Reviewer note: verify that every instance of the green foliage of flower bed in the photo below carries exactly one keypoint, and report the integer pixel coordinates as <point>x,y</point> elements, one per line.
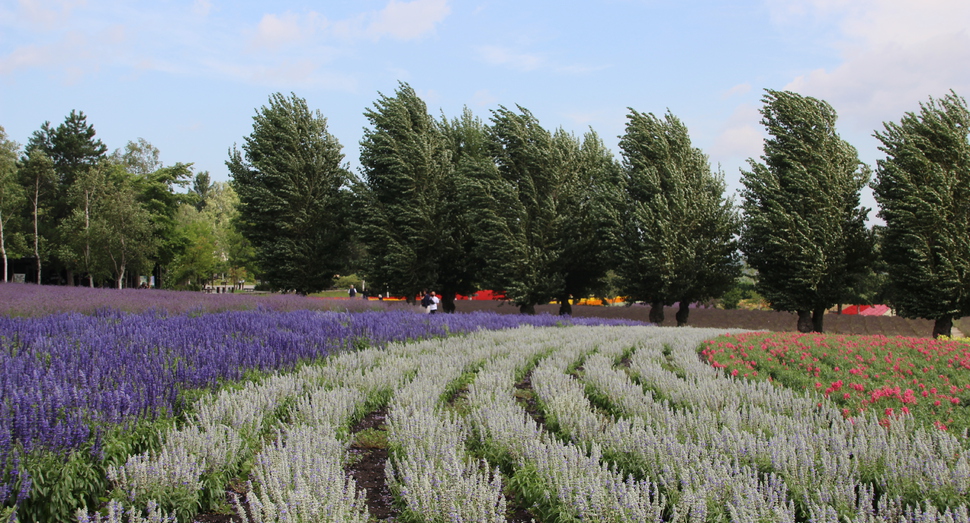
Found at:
<point>927,379</point>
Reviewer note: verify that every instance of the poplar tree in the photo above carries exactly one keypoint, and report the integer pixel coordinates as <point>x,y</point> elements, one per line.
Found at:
<point>587,173</point>
<point>804,230</point>
<point>923,190</point>
<point>463,270</point>
<point>674,239</point>
<point>520,228</point>
<point>405,164</point>
<point>293,202</point>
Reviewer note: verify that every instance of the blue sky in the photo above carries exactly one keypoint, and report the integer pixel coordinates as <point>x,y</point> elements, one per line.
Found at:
<point>188,75</point>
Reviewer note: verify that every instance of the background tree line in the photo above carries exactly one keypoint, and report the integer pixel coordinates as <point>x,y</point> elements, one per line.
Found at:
<point>84,216</point>
<point>462,204</point>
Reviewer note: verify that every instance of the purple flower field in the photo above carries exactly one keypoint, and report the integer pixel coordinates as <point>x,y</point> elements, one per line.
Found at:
<point>66,378</point>
<point>42,300</point>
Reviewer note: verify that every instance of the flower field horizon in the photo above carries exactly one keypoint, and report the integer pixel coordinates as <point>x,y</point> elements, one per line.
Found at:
<point>31,300</point>
<point>242,410</point>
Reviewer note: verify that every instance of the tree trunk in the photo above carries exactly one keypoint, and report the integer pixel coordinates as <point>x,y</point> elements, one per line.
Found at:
<point>36,238</point>
<point>3,251</point>
<point>805,321</point>
<point>448,301</point>
<point>121,276</point>
<point>70,277</point>
<point>565,307</point>
<point>683,313</point>
<point>657,313</point>
<point>818,316</point>
<point>527,308</point>
<point>942,327</point>
<point>839,312</point>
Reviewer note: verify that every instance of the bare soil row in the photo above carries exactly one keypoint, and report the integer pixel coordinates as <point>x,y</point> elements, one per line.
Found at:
<point>731,319</point>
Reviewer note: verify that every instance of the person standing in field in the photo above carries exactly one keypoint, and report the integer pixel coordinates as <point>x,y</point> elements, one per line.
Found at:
<point>352,292</point>
<point>433,308</point>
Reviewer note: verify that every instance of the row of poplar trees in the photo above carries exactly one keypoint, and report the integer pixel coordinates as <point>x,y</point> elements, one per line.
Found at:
<point>458,205</point>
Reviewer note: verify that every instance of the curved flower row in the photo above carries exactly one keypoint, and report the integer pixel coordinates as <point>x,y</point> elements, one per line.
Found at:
<point>65,379</point>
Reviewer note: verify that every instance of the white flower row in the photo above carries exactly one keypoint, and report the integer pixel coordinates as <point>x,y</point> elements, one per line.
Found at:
<point>580,484</point>
<point>118,514</point>
<point>707,447</point>
<point>226,425</point>
<point>816,454</point>
<point>299,478</point>
<point>698,478</point>
<point>431,470</point>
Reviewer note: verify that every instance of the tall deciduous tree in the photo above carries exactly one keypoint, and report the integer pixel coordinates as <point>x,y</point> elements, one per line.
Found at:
<point>73,149</point>
<point>37,176</point>
<point>293,204</point>
<point>521,227</point>
<point>587,173</point>
<point>804,229</point>
<point>460,269</point>
<point>675,236</point>
<point>85,197</point>
<point>923,189</point>
<point>11,193</point>
<point>125,229</point>
<point>202,188</point>
<point>405,164</point>
<point>139,157</point>
<point>159,193</point>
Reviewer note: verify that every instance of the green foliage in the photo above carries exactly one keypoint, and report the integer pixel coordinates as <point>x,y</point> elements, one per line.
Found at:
<point>344,282</point>
<point>12,198</point>
<point>197,262</point>
<point>37,176</point>
<point>923,187</point>
<point>292,204</point>
<point>405,167</point>
<point>804,230</point>
<point>674,233</point>
<point>371,438</point>
<point>519,205</point>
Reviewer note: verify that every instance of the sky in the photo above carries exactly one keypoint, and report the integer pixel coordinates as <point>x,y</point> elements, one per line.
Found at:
<point>188,75</point>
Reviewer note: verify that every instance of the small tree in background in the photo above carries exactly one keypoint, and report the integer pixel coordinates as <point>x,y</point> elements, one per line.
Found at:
<point>293,204</point>
<point>923,189</point>
<point>37,176</point>
<point>804,231</point>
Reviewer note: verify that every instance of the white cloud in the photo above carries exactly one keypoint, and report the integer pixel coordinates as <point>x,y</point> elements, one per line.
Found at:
<point>48,14</point>
<point>895,54</point>
<point>275,31</point>
<point>73,52</point>
<point>737,90</point>
<point>742,136</point>
<point>483,97</point>
<point>201,8</point>
<point>495,55</point>
<point>408,20</point>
